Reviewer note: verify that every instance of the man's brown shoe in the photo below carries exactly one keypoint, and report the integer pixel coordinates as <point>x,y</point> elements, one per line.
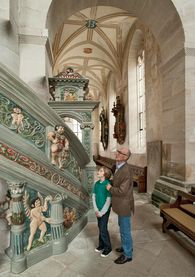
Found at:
<point>119,250</point>
<point>122,259</point>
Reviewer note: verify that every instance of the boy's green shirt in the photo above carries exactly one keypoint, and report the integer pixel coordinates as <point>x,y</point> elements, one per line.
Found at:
<point>101,193</point>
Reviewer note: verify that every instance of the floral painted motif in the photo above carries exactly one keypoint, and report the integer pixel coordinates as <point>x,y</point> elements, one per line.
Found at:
<point>32,165</point>
<point>21,122</point>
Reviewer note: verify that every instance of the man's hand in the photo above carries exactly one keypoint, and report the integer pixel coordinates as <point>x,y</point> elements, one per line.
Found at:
<point>108,187</point>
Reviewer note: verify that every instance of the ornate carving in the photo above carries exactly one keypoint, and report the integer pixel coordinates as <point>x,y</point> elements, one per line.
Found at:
<point>59,146</point>
<point>91,23</point>
<point>87,125</point>
<point>71,165</point>
<point>69,73</point>
<point>67,86</point>
<point>19,121</point>
<point>69,217</point>
<point>6,208</point>
<point>17,214</point>
<point>87,142</point>
<point>70,94</point>
<point>120,126</point>
<point>34,212</point>
<point>41,170</point>
<point>86,116</point>
<point>104,128</point>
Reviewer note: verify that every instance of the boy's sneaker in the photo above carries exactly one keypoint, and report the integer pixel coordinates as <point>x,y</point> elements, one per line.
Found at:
<point>105,253</point>
<point>99,249</point>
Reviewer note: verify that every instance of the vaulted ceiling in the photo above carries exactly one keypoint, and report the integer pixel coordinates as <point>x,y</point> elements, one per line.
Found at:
<point>92,42</point>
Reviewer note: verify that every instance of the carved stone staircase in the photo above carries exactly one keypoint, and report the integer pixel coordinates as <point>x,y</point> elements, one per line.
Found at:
<point>24,159</point>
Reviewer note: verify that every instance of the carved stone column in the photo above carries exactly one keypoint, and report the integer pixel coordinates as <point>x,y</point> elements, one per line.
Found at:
<point>87,128</point>
<point>18,259</point>
<point>57,227</point>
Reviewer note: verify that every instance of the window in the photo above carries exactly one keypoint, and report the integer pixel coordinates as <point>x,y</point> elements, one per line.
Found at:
<point>74,125</point>
<point>141,100</point>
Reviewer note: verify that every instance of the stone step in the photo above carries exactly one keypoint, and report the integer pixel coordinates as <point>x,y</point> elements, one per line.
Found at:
<point>176,182</point>
<point>166,190</point>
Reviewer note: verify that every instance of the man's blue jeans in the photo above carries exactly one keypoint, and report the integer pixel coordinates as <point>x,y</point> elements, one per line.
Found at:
<point>104,238</point>
<point>124,223</point>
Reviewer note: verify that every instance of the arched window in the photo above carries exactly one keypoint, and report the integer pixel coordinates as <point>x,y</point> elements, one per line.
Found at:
<point>141,100</point>
<point>74,125</point>
<point>136,94</point>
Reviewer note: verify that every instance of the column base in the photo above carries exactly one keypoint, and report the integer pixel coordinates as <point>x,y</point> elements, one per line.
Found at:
<point>18,265</point>
<point>59,246</point>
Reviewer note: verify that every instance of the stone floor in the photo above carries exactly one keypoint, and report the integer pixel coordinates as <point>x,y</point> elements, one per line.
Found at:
<point>155,254</point>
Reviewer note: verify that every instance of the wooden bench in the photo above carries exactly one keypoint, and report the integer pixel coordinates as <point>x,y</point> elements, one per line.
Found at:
<point>180,215</point>
<point>139,174</point>
<point>104,161</point>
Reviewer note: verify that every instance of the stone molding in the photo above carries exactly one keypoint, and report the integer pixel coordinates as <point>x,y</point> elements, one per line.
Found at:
<point>32,39</point>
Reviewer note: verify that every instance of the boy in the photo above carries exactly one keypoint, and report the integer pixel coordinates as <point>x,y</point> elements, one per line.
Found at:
<point>102,203</point>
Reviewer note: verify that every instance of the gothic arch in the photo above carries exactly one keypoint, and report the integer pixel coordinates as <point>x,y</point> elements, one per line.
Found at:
<point>167,25</point>
<point>163,16</point>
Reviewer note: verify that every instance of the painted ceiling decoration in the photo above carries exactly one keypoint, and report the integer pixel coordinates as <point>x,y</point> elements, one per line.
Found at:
<point>92,43</point>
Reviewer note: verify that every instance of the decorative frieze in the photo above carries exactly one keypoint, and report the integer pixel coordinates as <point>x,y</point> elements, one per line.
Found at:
<point>21,122</point>
<point>71,164</point>
<point>41,170</point>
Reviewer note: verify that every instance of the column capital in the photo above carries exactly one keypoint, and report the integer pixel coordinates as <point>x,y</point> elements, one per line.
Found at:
<point>87,125</point>
<point>16,188</point>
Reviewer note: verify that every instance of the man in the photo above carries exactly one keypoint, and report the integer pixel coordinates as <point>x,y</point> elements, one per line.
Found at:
<point>123,203</point>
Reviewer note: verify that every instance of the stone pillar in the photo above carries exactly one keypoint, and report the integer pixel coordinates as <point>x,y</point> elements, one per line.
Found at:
<point>18,259</point>
<point>57,227</point>
<point>87,128</point>
<point>32,62</point>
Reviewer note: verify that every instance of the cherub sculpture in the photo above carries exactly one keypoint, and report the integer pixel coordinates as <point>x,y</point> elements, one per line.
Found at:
<point>17,118</point>
<point>35,213</point>
<point>69,216</point>
<point>59,145</point>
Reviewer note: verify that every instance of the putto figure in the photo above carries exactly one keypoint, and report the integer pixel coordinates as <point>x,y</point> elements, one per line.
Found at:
<point>69,217</point>
<point>59,146</point>
<point>17,118</point>
<point>35,213</point>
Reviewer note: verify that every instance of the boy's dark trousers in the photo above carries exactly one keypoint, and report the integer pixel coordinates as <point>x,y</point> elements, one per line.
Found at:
<point>104,238</point>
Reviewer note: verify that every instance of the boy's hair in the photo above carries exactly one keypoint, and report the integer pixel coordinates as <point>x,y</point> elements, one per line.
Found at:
<point>107,172</point>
